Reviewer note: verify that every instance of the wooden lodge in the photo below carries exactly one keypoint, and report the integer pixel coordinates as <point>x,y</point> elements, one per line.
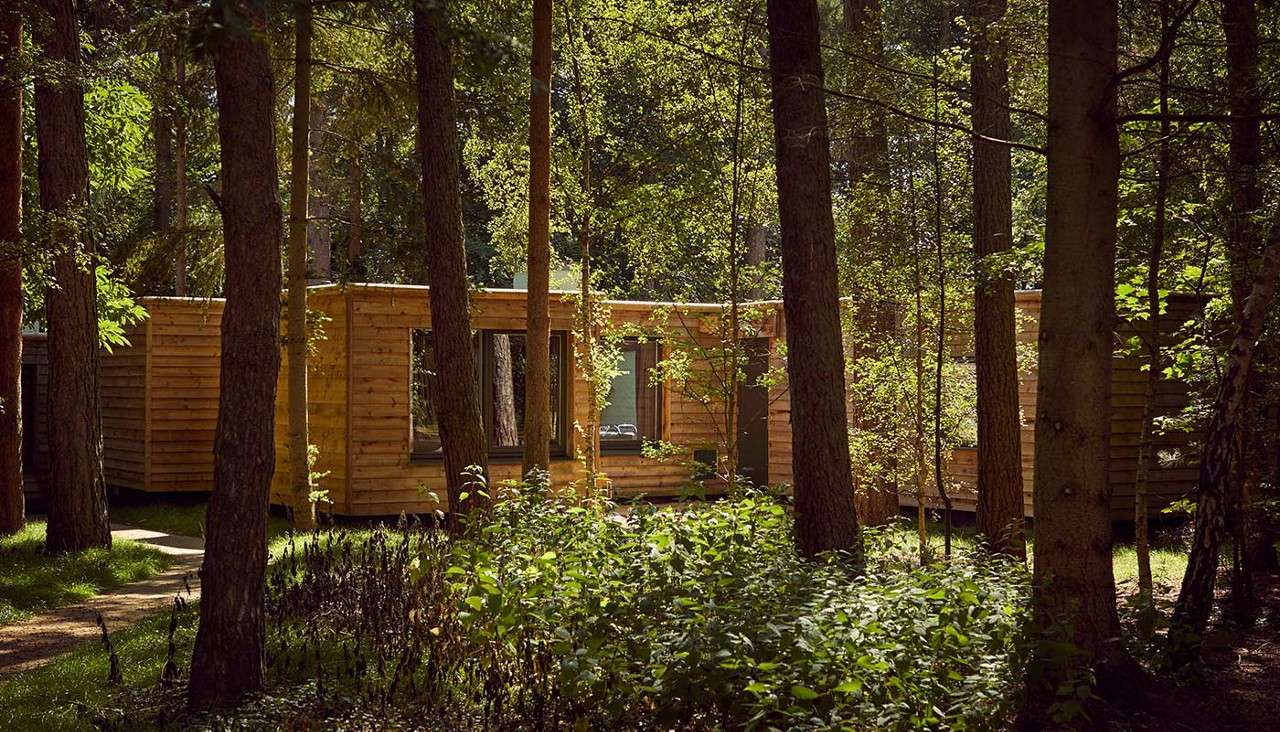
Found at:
<point>372,418</point>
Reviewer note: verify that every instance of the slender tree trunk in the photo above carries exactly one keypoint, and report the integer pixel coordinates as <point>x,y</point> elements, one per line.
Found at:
<point>1000,502</point>
<point>1074,587</point>
<point>319,235</point>
<point>77,494</point>
<point>355,212</point>
<point>867,158</point>
<point>506,431</point>
<point>180,166</point>
<point>757,252</point>
<point>162,133</point>
<point>1146,440</point>
<point>228,655</point>
<point>825,517</point>
<point>1221,453</point>
<point>537,379</point>
<point>12,509</point>
<point>461,426</point>
<point>922,525</point>
<point>304,511</point>
<point>939,243</point>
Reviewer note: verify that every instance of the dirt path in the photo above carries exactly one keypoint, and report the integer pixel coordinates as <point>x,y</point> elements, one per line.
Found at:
<point>38,640</point>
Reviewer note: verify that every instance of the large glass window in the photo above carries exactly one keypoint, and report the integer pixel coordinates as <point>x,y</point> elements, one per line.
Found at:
<point>634,413</point>
<point>501,360</point>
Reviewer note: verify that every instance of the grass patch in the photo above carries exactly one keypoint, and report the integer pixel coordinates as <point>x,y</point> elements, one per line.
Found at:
<point>31,580</point>
<point>179,515</point>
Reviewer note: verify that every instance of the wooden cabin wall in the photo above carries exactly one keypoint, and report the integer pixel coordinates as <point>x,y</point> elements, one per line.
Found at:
<point>1174,471</point>
<point>124,410</point>
<point>35,355</point>
<point>380,478</point>
<point>327,399</point>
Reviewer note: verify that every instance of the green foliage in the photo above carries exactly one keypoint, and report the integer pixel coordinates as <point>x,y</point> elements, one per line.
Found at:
<point>116,309</point>
<point>568,613</point>
<point>32,581</point>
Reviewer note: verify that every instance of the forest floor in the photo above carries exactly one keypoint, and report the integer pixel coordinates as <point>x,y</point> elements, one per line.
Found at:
<point>1237,687</point>
<point>31,643</point>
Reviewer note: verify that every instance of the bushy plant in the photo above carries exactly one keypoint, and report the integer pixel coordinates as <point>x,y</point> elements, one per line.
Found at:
<point>563,613</point>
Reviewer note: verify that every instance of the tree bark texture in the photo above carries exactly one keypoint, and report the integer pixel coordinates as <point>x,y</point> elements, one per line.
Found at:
<point>825,517</point>
<point>162,132</point>
<point>355,213</point>
<point>77,494</point>
<point>304,512</point>
<point>537,384</point>
<point>228,658</point>
<point>12,509</point>
<point>1074,587</point>
<point>180,166</point>
<point>506,431</point>
<point>1000,503</point>
<point>461,426</point>
<point>1217,462</point>
<point>319,234</point>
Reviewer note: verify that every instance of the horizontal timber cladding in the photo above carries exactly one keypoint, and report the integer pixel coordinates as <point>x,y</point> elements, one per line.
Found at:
<point>377,474</point>
<point>1176,457</point>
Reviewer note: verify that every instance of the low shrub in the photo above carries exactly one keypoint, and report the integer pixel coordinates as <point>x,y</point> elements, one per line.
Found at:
<point>560,613</point>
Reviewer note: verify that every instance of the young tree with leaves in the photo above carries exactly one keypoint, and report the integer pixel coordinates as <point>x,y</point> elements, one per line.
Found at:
<point>461,427</point>
<point>228,658</point>
<point>12,509</point>
<point>825,517</point>
<point>77,492</point>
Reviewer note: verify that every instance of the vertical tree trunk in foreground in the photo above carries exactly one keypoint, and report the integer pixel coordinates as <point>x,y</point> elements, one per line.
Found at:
<point>537,379</point>
<point>1000,508</point>
<point>825,517</point>
<point>1221,452</point>
<point>77,494</point>
<point>1074,587</point>
<point>304,511</point>
<point>12,510</point>
<point>355,212</point>
<point>461,427</point>
<point>228,656</point>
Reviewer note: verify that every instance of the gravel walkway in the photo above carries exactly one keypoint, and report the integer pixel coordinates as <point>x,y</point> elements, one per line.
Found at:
<point>38,640</point>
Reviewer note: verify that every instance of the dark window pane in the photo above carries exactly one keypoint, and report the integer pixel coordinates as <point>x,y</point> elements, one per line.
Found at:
<point>422,404</point>
<point>506,360</point>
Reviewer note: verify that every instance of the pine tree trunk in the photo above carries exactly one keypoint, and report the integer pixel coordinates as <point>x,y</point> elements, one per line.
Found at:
<point>319,235</point>
<point>12,509</point>
<point>506,431</point>
<point>1218,461</point>
<point>1074,587</point>
<point>825,517</point>
<point>461,427</point>
<point>1000,507</point>
<point>77,494</point>
<point>180,167</point>
<point>537,384</point>
<point>162,134</point>
<point>355,213</point>
<point>228,658</point>
<point>304,511</point>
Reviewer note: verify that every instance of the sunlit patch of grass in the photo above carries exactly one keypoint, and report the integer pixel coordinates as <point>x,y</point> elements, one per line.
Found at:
<point>32,581</point>
<point>1167,565</point>
<point>178,515</point>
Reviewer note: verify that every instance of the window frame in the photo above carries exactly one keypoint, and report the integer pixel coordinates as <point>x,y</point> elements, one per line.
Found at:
<point>636,447</point>
<point>484,376</point>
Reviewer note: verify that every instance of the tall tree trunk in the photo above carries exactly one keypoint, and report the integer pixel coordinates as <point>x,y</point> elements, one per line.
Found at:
<point>537,378</point>
<point>757,252</point>
<point>304,511</point>
<point>12,510</point>
<point>1146,440</point>
<point>506,431</point>
<point>77,494</point>
<point>355,212</point>
<point>1074,587</point>
<point>227,661</point>
<point>180,165</point>
<point>867,158</point>
<point>319,235</point>
<point>461,427</point>
<point>1240,24</point>
<point>1000,507</point>
<point>1217,462</point>
<point>825,517</point>
<point>162,134</point>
